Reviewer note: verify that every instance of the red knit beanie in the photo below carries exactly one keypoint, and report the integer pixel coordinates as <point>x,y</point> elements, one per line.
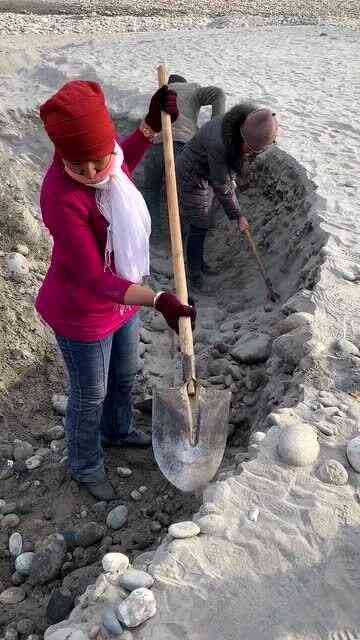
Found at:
<point>77,121</point>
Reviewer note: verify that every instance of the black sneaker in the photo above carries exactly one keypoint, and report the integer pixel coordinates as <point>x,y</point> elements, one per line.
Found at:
<point>135,438</point>
<point>102,490</point>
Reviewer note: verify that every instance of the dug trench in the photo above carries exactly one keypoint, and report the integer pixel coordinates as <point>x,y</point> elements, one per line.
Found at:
<point>242,341</point>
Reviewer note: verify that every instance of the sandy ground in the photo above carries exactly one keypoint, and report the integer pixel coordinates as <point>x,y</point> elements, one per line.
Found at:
<point>291,574</point>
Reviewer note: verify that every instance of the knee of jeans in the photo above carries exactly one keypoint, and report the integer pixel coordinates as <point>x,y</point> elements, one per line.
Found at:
<point>87,399</point>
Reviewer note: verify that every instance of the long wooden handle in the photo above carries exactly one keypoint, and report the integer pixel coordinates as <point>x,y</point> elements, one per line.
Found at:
<point>185,331</point>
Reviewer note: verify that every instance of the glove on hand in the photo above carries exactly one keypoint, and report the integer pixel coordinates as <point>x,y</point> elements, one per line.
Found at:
<point>163,100</point>
<point>172,309</point>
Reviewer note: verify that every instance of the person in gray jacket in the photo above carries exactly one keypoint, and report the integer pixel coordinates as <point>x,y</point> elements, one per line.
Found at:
<point>209,164</point>
<point>190,98</point>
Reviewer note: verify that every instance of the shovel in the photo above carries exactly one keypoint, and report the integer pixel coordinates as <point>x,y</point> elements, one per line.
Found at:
<point>189,421</point>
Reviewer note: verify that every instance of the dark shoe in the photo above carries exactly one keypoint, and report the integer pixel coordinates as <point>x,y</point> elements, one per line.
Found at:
<point>134,438</point>
<point>101,490</point>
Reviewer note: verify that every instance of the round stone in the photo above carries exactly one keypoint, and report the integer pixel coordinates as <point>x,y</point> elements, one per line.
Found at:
<point>117,517</point>
<point>10,521</point>
<point>257,437</point>
<point>18,266</point>
<point>25,626</point>
<point>33,463</point>
<point>110,621</point>
<point>11,634</point>
<point>124,472</point>
<point>353,453</point>
<point>184,529</point>
<point>254,514</point>
<point>59,606</point>
<point>22,450</point>
<point>135,495</point>
<point>13,595</point>
<point>23,563</point>
<point>137,608</point>
<point>59,403</point>
<point>6,469</point>
<point>115,563</point>
<point>332,472</point>
<point>24,250</point>
<point>17,579</point>
<point>134,579</point>
<point>15,544</point>
<point>298,445</point>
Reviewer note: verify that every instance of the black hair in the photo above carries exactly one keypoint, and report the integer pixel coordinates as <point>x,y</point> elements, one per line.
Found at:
<point>175,78</point>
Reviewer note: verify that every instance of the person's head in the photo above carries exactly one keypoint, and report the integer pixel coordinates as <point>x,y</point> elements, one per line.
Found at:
<point>175,78</point>
<point>77,121</point>
<point>258,132</point>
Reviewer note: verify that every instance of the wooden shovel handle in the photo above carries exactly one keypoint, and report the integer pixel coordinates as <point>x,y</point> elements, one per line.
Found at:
<point>185,331</point>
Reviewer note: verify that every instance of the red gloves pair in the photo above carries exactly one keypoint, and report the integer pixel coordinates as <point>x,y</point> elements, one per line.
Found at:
<point>163,100</point>
<point>172,309</point>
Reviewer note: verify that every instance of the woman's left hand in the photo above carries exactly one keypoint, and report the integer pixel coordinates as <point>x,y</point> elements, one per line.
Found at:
<point>163,100</point>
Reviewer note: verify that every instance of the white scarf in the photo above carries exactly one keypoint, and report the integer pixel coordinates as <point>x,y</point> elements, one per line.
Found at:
<point>123,206</point>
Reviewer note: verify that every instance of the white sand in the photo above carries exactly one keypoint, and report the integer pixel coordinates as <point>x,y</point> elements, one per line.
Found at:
<point>294,573</point>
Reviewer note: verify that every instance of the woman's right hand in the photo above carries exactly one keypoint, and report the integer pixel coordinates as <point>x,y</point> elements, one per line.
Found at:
<point>172,310</point>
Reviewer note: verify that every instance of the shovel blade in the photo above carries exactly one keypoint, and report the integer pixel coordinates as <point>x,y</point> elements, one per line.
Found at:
<point>187,466</point>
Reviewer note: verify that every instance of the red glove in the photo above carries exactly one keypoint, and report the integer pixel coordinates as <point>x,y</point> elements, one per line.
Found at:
<point>172,309</point>
<point>163,100</point>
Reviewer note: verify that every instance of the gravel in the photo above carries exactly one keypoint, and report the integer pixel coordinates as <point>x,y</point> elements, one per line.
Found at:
<point>112,16</point>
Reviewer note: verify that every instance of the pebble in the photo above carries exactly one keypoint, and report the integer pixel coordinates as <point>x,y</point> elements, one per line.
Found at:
<point>347,347</point>
<point>184,529</point>
<point>254,514</point>
<point>127,635</point>
<point>333,472</point>
<point>6,469</point>
<point>117,517</point>
<point>23,563</point>
<point>135,579</point>
<point>10,521</point>
<point>33,463</point>
<point>59,403</point>
<point>298,445</point>
<point>7,507</point>
<point>252,348</point>
<point>137,608</point>
<point>135,495</point>
<point>48,561</point>
<point>18,266</point>
<point>124,472</point>
<point>17,579</point>
<point>90,533</point>
<point>327,431</point>
<point>142,489</point>
<point>115,563</point>
<point>110,621</point>
<point>13,595</point>
<point>353,453</point>
<point>60,603</point>
<point>257,437</point>
<point>6,450</point>
<point>25,626</point>
<point>100,507</point>
<point>155,526</point>
<point>43,452</point>
<point>22,450</point>
<point>55,433</point>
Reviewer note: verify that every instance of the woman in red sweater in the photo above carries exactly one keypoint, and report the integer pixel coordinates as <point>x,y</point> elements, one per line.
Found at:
<point>92,292</point>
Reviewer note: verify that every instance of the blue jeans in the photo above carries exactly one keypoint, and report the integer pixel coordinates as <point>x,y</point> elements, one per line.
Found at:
<point>101,376</point>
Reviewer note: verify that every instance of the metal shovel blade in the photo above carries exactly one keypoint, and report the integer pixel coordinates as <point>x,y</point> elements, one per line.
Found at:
<point>189,463</point>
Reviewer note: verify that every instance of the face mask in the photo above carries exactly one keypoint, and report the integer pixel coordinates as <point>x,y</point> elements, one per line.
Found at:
<point>101,176</point>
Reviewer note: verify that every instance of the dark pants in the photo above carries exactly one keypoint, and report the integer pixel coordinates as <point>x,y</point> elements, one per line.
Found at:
<point>101,376</point>
<point>154,177</point>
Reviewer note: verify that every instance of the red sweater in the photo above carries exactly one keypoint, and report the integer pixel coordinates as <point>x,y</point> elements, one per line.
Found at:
<point>78,298</point>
